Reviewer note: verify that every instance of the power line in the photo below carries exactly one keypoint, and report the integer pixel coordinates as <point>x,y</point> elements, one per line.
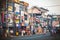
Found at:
<point>52,6</point>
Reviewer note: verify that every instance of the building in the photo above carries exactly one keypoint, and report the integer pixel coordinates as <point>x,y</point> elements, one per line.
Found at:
<point>37,17</point>
<point>14,13</point>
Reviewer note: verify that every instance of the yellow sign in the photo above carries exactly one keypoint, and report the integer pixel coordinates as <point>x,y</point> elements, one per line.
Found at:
<point>10,8</point>
<point>17,1</point>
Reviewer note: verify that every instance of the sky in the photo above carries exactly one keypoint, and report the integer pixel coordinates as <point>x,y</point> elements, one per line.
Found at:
<point>52,5</point>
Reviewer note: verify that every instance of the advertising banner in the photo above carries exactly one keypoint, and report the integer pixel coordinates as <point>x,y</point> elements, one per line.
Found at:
<point>17,6</point>
<point>10,6</point>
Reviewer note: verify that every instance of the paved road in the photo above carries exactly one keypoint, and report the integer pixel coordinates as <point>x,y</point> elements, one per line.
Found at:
<point>36,37</point>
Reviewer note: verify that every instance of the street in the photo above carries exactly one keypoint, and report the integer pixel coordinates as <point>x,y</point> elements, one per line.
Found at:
<point>35,37</point>
<point>29,20</point>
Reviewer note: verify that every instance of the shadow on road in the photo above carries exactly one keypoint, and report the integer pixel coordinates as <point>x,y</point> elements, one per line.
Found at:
<point>35,37</point>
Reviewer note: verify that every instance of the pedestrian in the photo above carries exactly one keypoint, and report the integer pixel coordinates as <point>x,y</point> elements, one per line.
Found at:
<point>31,29</point>
<point>1,30</point>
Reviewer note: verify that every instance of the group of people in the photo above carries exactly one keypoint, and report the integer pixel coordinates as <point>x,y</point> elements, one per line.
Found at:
<point>30,30</point>
<point>23,30</point>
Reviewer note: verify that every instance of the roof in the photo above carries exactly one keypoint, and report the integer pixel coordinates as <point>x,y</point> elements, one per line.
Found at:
<point>43,10</point>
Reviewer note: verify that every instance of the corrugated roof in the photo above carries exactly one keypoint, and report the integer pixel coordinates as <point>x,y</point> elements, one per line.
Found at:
<point>43,10</point>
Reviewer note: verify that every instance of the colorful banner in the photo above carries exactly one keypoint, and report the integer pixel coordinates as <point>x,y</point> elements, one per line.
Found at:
<point>17,7</point>
<point>10,6</point>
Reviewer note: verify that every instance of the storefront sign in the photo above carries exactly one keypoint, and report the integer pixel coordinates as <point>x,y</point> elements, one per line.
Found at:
<point>10,8</point>
<point>17,6</point>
